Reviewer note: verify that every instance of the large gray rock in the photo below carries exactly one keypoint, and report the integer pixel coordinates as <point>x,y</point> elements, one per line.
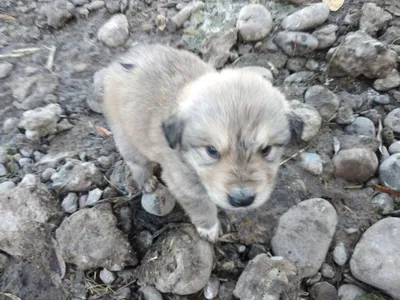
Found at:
<point>295,43</point>
<point>254,22</point>
<point>373,18</point>
<point>115,31</point>
<point>310,116</point>
<point>325,101</point>
<point>360,54</point>
<point>307,18</point>
<point>41,121</point>
<point>179,262</point>
<point>361,126</point>
<point>216,50</point>
<point>304,233</point>
<point>268,278</point>
<point>376,259</point>
<point>389,172</point>
<point>392,120</point>
<point>90,239</point>
<point>76,176</point>
<point>24,212</point>
<point>355,165</point>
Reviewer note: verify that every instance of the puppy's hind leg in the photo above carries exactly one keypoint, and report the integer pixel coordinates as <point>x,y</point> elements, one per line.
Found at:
<point>141,168</point>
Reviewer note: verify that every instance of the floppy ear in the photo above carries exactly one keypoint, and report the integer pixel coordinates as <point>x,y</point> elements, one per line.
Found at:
<point>296,126</point>
<point>172,129</point>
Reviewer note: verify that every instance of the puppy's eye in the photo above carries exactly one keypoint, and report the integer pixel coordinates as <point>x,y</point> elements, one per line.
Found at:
<point>266,151</point>
<point>213,152</point>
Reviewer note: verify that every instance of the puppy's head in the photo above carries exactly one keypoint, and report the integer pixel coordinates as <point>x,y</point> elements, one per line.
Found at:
<point>230,129</point>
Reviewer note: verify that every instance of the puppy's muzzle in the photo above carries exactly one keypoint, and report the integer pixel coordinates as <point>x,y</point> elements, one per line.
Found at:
<point>241,198</point>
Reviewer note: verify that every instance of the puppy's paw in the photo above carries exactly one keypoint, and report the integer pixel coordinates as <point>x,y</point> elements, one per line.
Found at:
<point>210,234</point>
<point>150,185</point>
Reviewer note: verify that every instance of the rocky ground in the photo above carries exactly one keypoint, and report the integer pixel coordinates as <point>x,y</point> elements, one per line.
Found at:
<point>72,225</point>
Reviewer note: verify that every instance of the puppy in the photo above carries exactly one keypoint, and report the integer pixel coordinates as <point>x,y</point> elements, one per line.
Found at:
<point>218,136</point>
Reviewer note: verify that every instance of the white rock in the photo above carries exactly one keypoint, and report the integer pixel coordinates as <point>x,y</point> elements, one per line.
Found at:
<point>150,293</point>
<point>107,276</point>
<point>254,22</point>
<point>70,203</point>
<point>350,292</point>
<point>389,172</point>
<point>310,116</point>
<point>326,35</point>
<point>392,120</point>
<point>389,82</point>
<point>94,196</point>
<point>304,233</point>
<point>3,170</point>
<point>376,259</point>
<point>295,43</point>
<point>211,289</point>
<point>6,186</point>
<point>325,101</point>
<point>394,148</point>
<point>115,31</point>
<point>373,18</point>
<point>158,203</point>
<point>312,162</point>
<point>5,69</point>
<point>307,18</point>
<point>10,124</point>
<point>340,254</point>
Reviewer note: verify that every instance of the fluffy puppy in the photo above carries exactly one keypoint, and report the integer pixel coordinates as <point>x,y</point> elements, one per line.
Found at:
<point>218,136</point>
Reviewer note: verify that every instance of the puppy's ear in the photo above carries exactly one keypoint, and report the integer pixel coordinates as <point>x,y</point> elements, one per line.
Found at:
<point>296,126</point>
<point>172,129</point>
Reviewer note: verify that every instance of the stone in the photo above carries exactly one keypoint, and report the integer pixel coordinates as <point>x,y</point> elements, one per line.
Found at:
<point>353,141</point>
<point>216,50</point>
<point>325,101</point>
<point>355,165</point>
<point>304,233</point>
<point>76,176</point>
<point>90,239</point>
<point>326,35</point>
<point>384,202</point>
<point>158,203</point>
<point>373,18</point>
<point>352,100</point>
<point>184,266</point>
<point>107,277</point>
<point>5,69</point>
<point>375,259</point>
<point>268,278</point>
<point>96,4</point>
<point>10,124</point>
<point>345,115</point>
<point>361,126</point>
<point>310,117</point>
<point>307,18</point>
<point>392,120</point>
<point>184,14</point>
<point>3,170</point>
<point>24,213</point>
<point>94,196</point>
<point>58,13</point>
<point>323,291</point>
<point>95,99</point>
<point>264,72</point>
<point>64,125</point>
<point>350,292</point>
<point>360,54</point>
<point>296,64</point>
<point>211,289</point>
<point>394,147</point>
<point>391,35</point>
<point>254,22</point>
<point>70,203</point>
<point>115,31</point>
<point>112,6</point>
<point>6,186</point>
<point>256,249</point>
<point>371,96</point>
<point>327,271</point>
<point>144,240</point>
<point>295,43</point>
<point>41,121</point>
<point>340,254</point>
<point>150,293</point>
<point>389,172</point>
<point>46,174</point>
<point>312,162</point>
<point>299,77</point>
<point>391,81</point>
<point>226,290</point>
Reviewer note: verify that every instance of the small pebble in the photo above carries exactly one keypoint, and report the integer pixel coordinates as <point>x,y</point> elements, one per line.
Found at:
<point>3,261</point>
<point>350,292</point>
<point>158,203</point>
<point>94,196</point>
<point>371,96</point>
<point>312,163</point>
<point>323,291</point>
<point>345,115</point>
<point>384,202</point>
<point>3,170</point>
<point>340,254</point>
<point>6,186</point>
<point>211,288</point>
<point>392,120</point>
<point>226,290</point>
<point>394,148</point>
<point>314,279</point>
<point>305,42</point>
<point>46,174</point>
<point>144,240</point>
<point>150,293</point>
<point>326,35</point>
<point>115,31</point>
<point>37,155</point>
<point>327,271</point>
<point>25,161</point>
<point>95,5</point>
<point>70,203</point>
<point>391,81</point>
<point>110,193</point>
<point>10,124</point>
<point>325,101</point>
<point>104,162</point>
<point>389,172</point>
<point>254,22</point>
<point>307,18</point>
<point>256,249</point>
<point>82,201</point>
<point>5,69</point>
<point>107,276</point>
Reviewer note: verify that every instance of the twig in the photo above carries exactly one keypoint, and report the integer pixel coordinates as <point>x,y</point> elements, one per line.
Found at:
<point>7,18</point>
<point>19,52</point>
<point>293,156</point>
<point>113,186</point>
<point>50,59</point>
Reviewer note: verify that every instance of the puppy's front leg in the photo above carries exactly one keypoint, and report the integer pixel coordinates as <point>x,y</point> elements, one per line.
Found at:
<point>203,214</point>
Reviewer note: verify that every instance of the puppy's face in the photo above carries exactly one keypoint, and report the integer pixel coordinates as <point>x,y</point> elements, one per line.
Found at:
<point>230,129</point>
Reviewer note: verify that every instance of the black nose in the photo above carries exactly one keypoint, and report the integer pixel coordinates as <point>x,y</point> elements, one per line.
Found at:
<point>241,200</point>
